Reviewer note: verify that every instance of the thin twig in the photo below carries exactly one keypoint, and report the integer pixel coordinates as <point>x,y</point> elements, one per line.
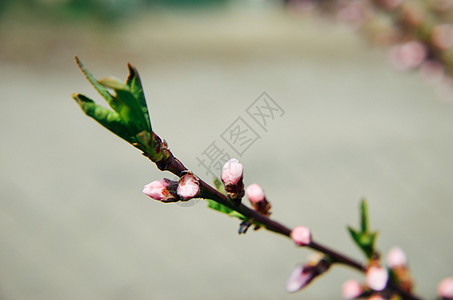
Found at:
<point>173,165</point>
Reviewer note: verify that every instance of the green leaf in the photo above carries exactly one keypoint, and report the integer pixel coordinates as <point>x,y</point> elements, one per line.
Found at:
<point>363,238</point>
<point>129,107</point>
<point>129,118</point>
<point>364,215</point>
<point>226,210</point>
<point>135,84</point>
<point>101,89</point>
<point>107,118</point>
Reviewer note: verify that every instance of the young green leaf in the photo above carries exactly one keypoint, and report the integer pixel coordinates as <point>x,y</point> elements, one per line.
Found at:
<point>135,84</point>
<point>107,118</point>
<point>226,210</point>
<point>129,117</point>
<point>363,238</point>
<point>101,89</point>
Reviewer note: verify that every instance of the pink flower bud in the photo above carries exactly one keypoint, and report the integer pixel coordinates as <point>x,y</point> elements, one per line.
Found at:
<point>376,278</point>
<point>188,187</point>
<point>408,55</point>
<point>351,289</point>
<point>302,275</point>
<point>301,235</point>
<point>258,200</point>
<point>376,297</point>
<point>232,172</point>
<point>298,279</point>
<point>255,193</point>
<point>396,258</point>
<point>158,190</point>
<point>445,288</point>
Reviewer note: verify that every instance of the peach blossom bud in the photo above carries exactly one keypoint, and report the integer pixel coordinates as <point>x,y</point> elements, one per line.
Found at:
<point>376,278</point>
<point>298,279</point>
<point>302,275</point>
<point>376,297</point>
<point>158,191</point>
<point>442,36</point>
<point>188,187</point>
<point>396,258</point>
<point>301,235</point>
<point>408,55</point>
<point>351,289</point>
<point>445,288</point>
<point>232,172</point>
<point>255,193</point>
<point>257,198</point>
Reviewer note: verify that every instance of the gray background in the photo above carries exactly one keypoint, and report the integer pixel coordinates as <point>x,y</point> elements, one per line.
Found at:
<point>75,225</point>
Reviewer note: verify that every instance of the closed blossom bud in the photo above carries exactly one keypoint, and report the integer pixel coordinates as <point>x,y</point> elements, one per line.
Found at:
<point>376,278</point>
<point>396,258</point>
<point>298,279</point>
<point>188,187</point>
<point>158,190</point>
<point>445,288</point>
<point>408,56</point>
<point>302,275</point>
<point>301,235</point>
<point>376,297</point>
<point>258,200</point>
<point>232,174</point>
<point>351,289</point>
<point>400,274</point>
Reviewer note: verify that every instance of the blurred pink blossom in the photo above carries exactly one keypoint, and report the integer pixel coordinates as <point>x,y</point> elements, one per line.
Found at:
<point>301,235</point>
<point>255,193</point>
<point>376,278</point>
<point>445,288</point>
<point>396,257</point>
<point>298,279</point>
<point>351,289</point>
<point>408,55</point>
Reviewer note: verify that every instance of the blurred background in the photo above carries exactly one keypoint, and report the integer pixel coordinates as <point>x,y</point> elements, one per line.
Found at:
<point>73,221</point>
